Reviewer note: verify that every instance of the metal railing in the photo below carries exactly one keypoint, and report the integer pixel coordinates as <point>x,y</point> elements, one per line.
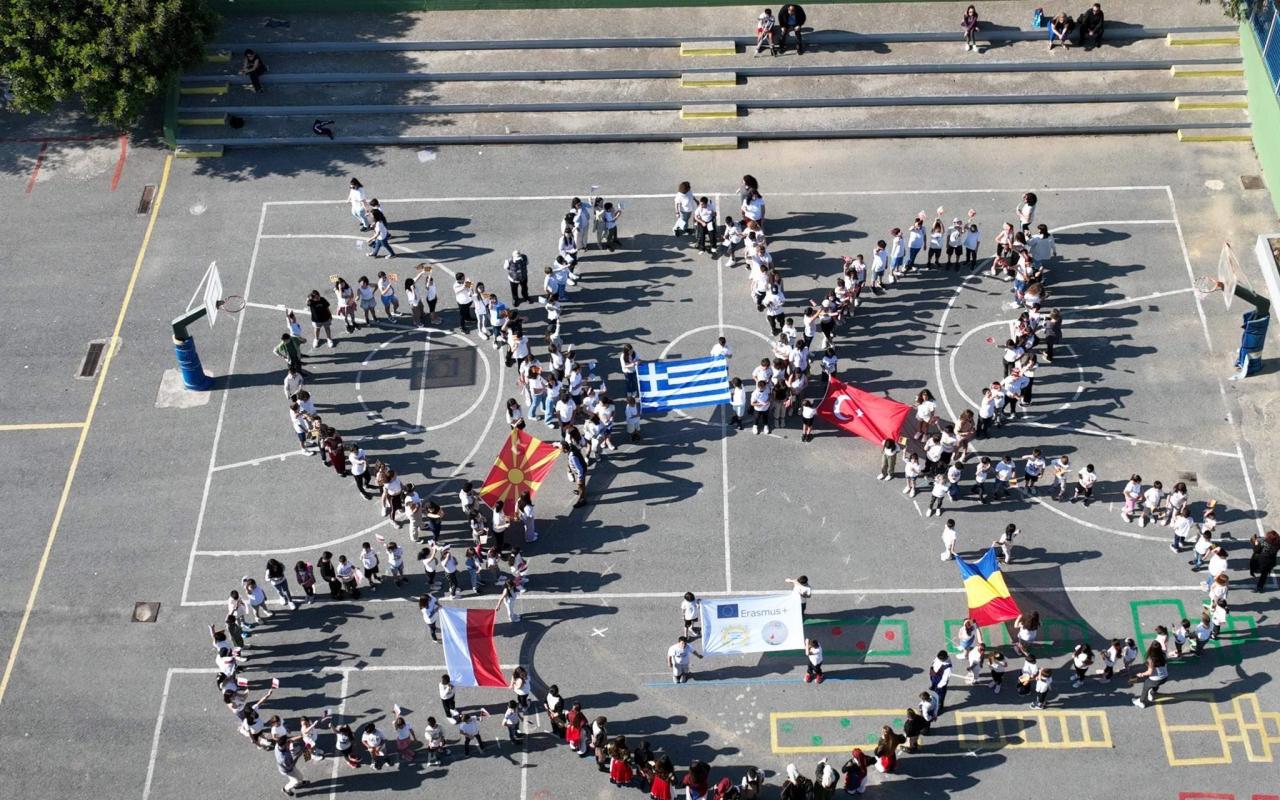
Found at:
<point>1266,26</point>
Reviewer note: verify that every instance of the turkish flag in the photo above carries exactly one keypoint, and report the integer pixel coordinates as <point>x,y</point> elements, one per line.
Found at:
<point>861,413</point>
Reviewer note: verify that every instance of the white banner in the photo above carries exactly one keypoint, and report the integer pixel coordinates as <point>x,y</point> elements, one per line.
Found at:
<point>752,624</point>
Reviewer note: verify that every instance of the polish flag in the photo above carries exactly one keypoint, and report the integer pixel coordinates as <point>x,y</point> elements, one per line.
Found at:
<point>469,651</point>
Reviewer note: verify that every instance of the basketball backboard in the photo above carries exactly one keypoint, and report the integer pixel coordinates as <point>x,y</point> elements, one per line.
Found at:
<point>1229,273</point>
<point>212,292</point>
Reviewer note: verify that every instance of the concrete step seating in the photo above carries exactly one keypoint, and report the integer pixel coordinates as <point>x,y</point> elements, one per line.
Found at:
<point>710,93</point>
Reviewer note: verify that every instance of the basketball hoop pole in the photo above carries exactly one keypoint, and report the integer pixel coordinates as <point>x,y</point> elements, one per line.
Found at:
<point>184,347</point>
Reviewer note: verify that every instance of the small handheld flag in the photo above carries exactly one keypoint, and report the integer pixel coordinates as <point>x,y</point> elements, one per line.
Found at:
<point>275,683</point>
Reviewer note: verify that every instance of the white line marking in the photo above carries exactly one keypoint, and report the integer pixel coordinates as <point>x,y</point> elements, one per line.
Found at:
<point>1075,225</point>
<point>1121,437</point>
<point>1248,485</point>
<point>497,401</point>
<point>253,462</point>
<point>417,428</point>
<point>916,503</point>
<point>303,549</point>
<point>577,597</point>
<point>1191,274</point>
<point>422,386</point>
<point>664,195</point>
<point>599,632</point>
<point>724,433</point>
<point>1127,534</point>
<point>340,715</point>
<point>155,737</point>
<point>400,248</point>
<point>222,412</point>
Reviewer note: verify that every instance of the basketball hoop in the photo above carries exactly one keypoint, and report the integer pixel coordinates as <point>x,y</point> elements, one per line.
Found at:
<point>232,304</point>
<point>1207,285</point>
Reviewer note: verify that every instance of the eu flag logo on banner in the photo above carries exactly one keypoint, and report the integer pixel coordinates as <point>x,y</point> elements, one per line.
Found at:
<point>727,611</point>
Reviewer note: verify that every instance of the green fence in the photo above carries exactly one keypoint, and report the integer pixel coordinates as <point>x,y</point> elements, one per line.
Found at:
<point>1258,36</point>
<point>395,6</point>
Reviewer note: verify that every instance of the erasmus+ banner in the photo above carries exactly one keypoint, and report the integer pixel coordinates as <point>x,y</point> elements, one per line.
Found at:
<point>752,624</point>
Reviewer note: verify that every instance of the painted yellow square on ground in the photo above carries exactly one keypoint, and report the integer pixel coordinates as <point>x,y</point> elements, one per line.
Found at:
<point>830,731</point>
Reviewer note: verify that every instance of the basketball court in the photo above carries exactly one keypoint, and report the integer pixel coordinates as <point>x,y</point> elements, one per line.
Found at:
<point>1141,386</point>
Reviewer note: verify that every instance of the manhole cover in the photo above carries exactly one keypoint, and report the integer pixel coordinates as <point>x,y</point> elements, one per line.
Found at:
<point>1252,182</point>
<point>145,612</point>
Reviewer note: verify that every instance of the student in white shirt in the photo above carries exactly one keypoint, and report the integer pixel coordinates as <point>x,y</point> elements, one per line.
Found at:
<point>802,588</point>
<point>356,197</point>
<point>1152,506</point>
<point>690,608</point>
<point>678,659</point>
<point>813,671</point>
<point>1085,479</point>
<point>684,205</point>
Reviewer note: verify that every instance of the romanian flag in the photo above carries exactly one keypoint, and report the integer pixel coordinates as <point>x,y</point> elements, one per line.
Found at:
<point>989,598</point>
<point>522,464</point>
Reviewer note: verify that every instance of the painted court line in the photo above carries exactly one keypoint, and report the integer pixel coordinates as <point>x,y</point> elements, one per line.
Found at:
<point>579,597</point>
<point>108,357</point>
<point>35,171</point>
<point>1191,273</point>
<point>124,153</point>
<point>664,195</point>
<point>303,549</point>
<point>724,435</point>
<point>222,413</point>
<point>41,426</point>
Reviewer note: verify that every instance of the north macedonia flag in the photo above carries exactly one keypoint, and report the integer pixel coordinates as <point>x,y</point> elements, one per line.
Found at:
<point>522,464</point>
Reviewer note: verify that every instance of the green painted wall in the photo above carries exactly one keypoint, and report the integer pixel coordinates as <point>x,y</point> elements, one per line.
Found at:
<point>1264,111</point>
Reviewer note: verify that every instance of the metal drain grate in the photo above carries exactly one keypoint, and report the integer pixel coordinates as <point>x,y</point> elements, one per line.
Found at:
<point>92,359</point>
<point>145,612</point>
<point>1252,182</point>
<point>148,194</point>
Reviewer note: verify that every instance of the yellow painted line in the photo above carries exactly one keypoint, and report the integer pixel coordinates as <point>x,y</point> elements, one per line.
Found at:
<point>1191,71</point>
<point>709,111</point>
<point>698,80</point>
<point>708,49</point>
<point>1211,136</point>
<point>1199,103</point>
<point>219,88</point>
<point>1174,40</point>
<point>709,143</point>
<point>84,435</point>
<point>776,716</point>
<point>1044,727</point>
<point>212,121</point>
<point>209,151</point>
<point>40,426</point>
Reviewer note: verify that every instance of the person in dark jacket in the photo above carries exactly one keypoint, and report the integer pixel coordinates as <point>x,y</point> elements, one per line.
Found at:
<point>1091,23</point>
<point>1265,551</point>
<point>517,269</point>
<point>254,68</point>
<point>790,20</point>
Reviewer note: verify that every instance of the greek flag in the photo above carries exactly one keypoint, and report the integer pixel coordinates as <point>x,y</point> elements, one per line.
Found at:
<point>686,383</point>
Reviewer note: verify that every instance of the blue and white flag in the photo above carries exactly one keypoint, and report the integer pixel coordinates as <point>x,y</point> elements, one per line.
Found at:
<point>686,383</point>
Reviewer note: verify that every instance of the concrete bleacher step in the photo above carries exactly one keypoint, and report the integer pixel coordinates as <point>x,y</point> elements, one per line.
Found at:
<point>884,87</point>
<point>711,92</point>
<point>1117,33</point>
<point>669,58</point>
<point>1210,134</point>
<point>668,125</point>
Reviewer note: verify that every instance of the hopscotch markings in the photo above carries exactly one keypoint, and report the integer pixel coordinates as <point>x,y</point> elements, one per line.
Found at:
<point>1053,729</point>
<point>1240,721</point>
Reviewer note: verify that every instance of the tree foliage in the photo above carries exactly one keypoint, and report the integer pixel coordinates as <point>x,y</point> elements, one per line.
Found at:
<point>1241,10</point>
<point>115,56</point>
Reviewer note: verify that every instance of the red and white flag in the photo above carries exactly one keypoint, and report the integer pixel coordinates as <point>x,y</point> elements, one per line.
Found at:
<point>861,413</point>
<point>469,652</point>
